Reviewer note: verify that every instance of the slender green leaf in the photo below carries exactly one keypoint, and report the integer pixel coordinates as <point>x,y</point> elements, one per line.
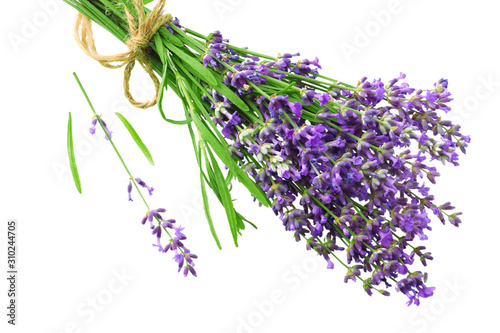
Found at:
<point>227,202</point>
<point>103,20</point>
<point>229,93</point>
<point>189,41</point>
<point>177,122</point>
<point>160,49</point>
<point>163,86</point>
<point>194,65</point>
<point>136,138</point>
<point>211,177</point>
<point>115,8</point>
<point>221,150</point>
<point>226,158</point>
<point>188,75</point>
<point>241,225</point>
<point>247,221</point>
<point>71,155</point>
<point>169,38</point>
<point>206,207</point>
<point>229,177</point>
<point>225,91</point>
<point>207,210</point>
<point>131,7</point>
<point>281,92</point>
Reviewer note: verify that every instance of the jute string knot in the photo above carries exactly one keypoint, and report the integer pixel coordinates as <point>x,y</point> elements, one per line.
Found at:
<point>140,35</point>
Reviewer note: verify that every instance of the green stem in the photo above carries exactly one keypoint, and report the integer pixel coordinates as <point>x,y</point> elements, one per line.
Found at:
<point>358,276</point>
<point>109,137</point>
<point>116,150</point>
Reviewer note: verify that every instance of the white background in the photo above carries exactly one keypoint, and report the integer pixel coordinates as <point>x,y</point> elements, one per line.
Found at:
<point>71,246</point>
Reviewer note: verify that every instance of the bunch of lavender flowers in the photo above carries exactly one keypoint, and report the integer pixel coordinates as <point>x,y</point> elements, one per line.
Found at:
<point>345,167</point>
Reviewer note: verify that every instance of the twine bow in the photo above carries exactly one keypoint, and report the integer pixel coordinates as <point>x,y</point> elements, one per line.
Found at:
<point>140,35</point>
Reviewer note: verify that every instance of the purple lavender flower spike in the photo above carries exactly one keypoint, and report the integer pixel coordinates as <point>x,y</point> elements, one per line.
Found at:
<point>175,22</point>
<point>158,245</point>
<point>168,223</point>
<point>183,257</point>
<point>109,132</point>
<point>152,214</point>
<point>143,184</point>
<point>188,256</point>
<point>189,269</point>
<point>179,258</point>
<point>178,232</point>
<point>323,98</point>
<point>92,127</point>
<point>129,190</point>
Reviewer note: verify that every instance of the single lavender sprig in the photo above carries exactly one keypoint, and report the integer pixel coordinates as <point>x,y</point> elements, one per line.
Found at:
<point>152,215</point>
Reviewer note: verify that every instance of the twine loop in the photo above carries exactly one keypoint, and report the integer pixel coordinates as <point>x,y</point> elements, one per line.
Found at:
<point>140,35</point>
